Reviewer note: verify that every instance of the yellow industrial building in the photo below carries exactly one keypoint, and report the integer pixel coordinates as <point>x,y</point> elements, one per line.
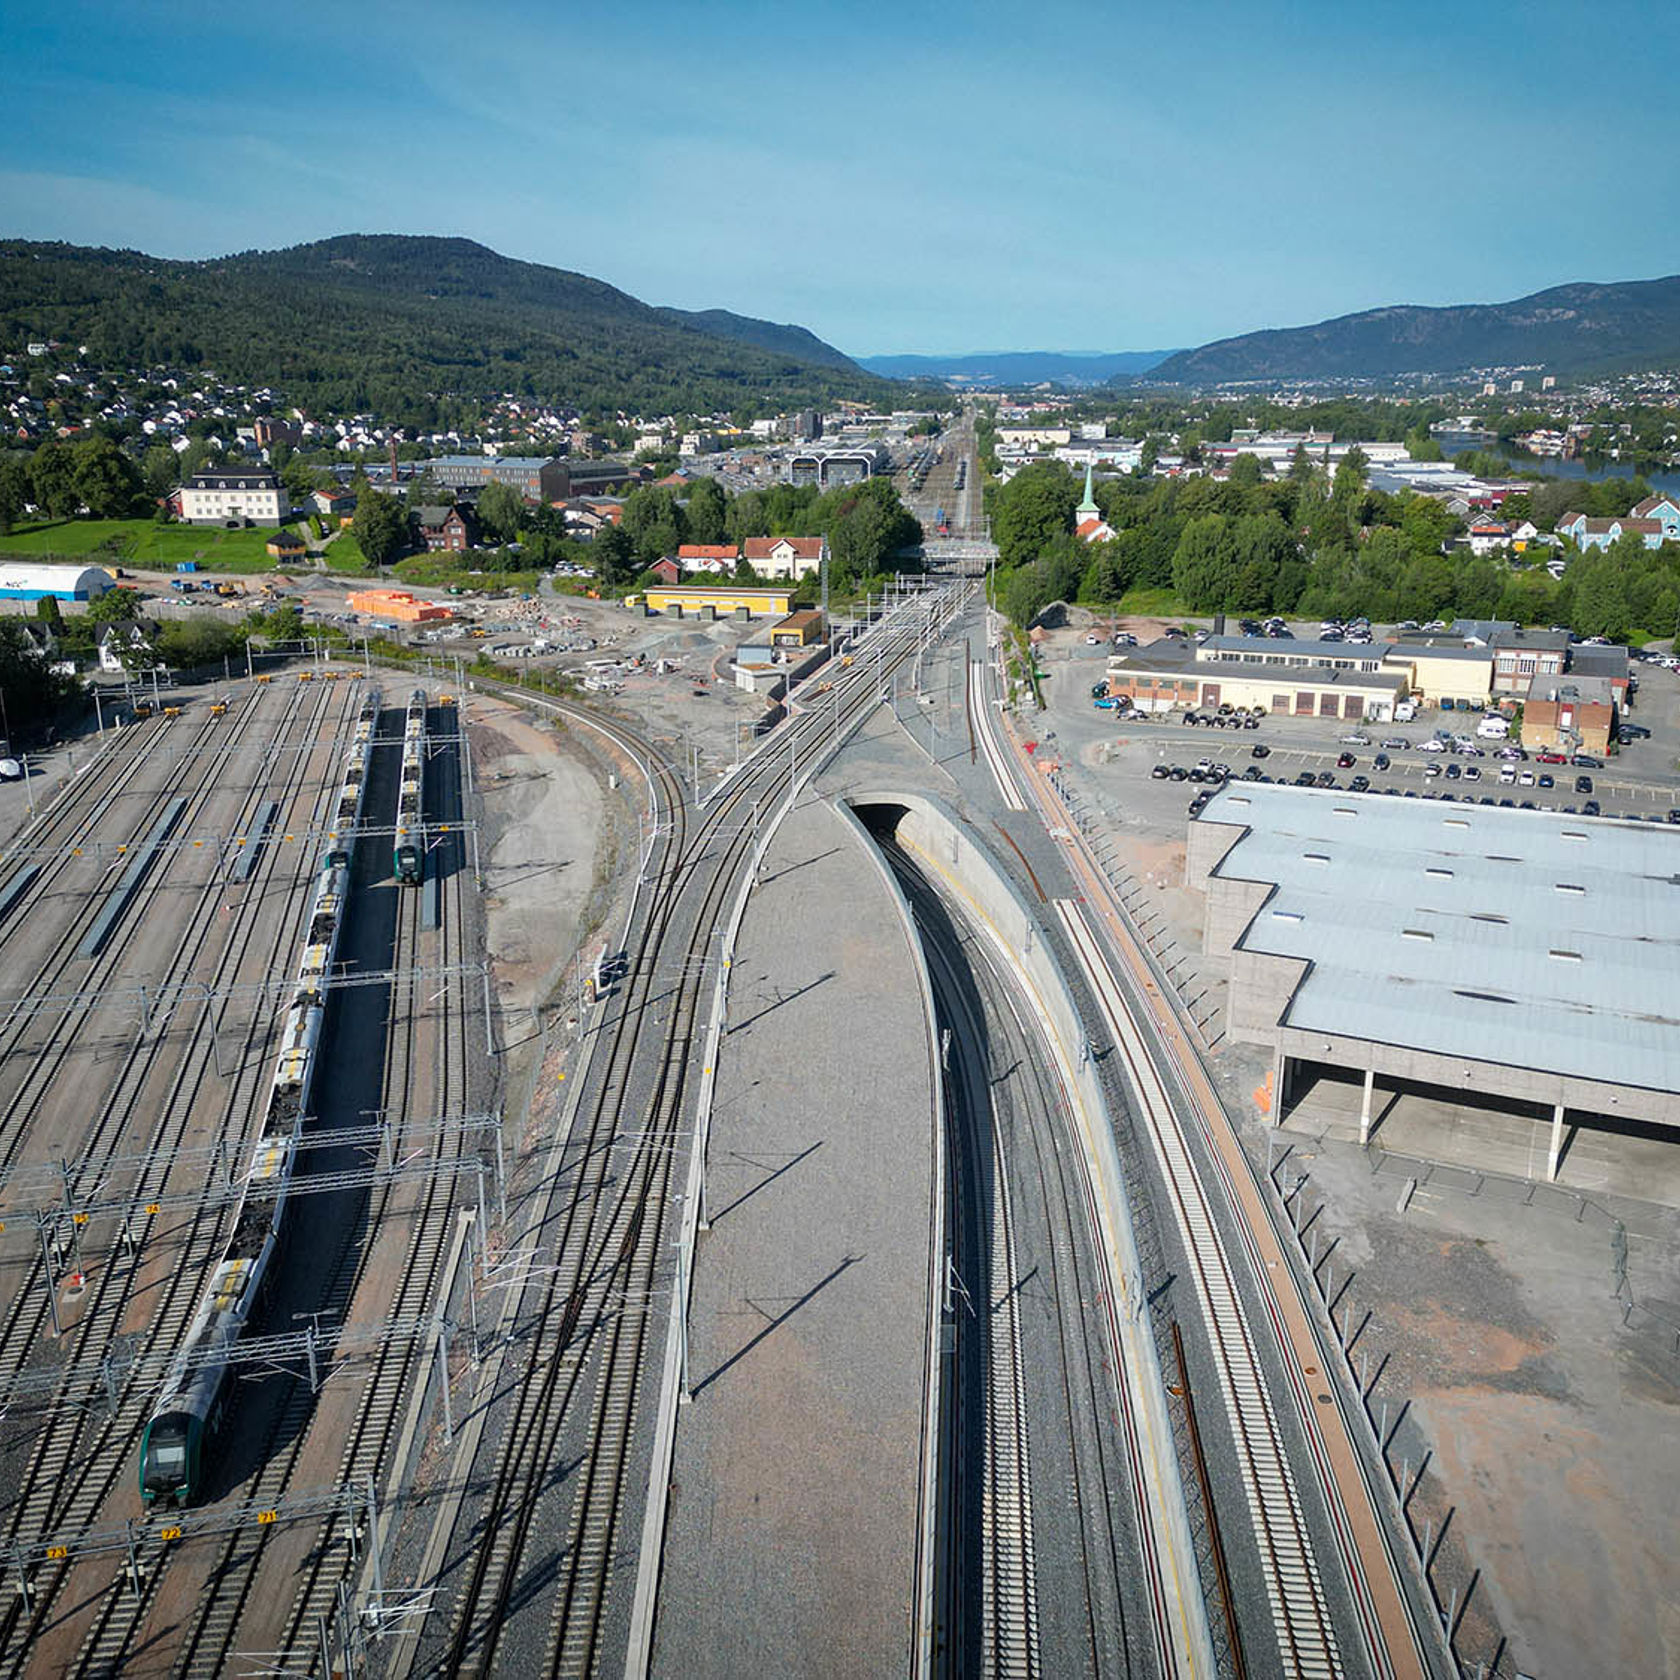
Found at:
<point>751,601</point>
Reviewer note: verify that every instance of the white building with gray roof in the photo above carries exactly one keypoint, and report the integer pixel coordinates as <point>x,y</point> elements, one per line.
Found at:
<point>1487,951</point>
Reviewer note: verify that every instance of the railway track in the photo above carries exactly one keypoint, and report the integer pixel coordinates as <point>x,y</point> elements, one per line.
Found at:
<point>71,1476</point>
<point>149,1063</point>
<point>1300,1613</point>
<point>991,1550</point>
<point>579,1360</point>
<point>433,1030</point>
<point>367,1453</point>
<point>1099,1626</point>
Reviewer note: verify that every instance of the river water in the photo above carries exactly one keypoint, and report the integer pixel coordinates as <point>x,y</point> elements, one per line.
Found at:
<point>1667,482</point>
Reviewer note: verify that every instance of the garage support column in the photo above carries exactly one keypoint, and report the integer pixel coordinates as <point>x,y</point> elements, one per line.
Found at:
<point>1365,1106</point>
<point>1556,1151</point>
<point>1280,1087</point>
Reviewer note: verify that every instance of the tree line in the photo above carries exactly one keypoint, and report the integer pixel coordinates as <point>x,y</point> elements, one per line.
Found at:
<point>1315,543</point>
<point>866,526</point>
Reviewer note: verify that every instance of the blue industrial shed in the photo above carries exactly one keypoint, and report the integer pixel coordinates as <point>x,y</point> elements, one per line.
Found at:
<point>24,582</point>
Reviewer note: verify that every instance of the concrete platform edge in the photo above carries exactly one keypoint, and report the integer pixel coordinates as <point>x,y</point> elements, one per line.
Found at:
<point>922,1652</point>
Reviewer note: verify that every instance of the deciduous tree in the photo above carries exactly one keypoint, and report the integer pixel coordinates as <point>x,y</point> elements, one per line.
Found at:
<point>500,509</point>
<point>52,480</point>
<point>381,526</point>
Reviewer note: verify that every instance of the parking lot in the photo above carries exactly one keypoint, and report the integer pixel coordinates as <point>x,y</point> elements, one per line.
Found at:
<point>1637,781</point>
<point>1541,1389</point>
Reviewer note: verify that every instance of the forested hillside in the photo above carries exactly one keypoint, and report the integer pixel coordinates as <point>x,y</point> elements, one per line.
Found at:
<point>384,323</point>
<point>1577,329</point>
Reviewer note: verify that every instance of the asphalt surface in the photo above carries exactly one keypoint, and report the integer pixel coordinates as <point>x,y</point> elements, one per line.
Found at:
<point>791,1541</point>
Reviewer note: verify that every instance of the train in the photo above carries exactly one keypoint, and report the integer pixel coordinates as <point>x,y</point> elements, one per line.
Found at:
<point>188,1411</point>
<point>408,853</point>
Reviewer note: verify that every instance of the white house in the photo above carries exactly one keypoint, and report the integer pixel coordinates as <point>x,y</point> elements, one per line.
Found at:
<point>1488,536</point>
<point>785,557</point>
<point>250,495</point>
<point>115,638</point>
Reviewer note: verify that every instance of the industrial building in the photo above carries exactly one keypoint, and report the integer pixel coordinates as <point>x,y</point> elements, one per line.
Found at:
<point>1569,714</point>
<point>827,467</point>
<point>538,478</point>
<point>695,601</point>
<point>1484,952</point>
<point>23,582</point>
<point>1305,679</point>
<point>1441,670</point>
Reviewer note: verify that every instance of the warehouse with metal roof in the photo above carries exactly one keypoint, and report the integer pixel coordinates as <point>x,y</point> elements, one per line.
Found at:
<point>29,582</point>
<point>1515,954</point>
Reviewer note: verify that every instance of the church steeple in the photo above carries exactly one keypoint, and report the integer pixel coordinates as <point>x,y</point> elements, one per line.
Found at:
<point>1088,508</point>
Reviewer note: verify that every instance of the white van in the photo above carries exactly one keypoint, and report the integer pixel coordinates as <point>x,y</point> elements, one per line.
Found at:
<point>1493,728</point>
<point>1404,711</point>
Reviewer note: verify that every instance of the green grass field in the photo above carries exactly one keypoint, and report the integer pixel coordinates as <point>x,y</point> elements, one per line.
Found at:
<point>1150,603</point>
<point>438,571</point>
<point>143,544</point>
<point>344,556</point>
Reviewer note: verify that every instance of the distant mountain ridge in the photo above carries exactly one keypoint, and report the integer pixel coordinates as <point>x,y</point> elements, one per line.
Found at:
<point>393,320</point>
<point>785,339</point>
<point>1019,367</point>
<point>1586,327</point>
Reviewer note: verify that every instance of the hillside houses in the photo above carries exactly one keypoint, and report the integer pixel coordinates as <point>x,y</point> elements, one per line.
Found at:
<point>1587,532</point>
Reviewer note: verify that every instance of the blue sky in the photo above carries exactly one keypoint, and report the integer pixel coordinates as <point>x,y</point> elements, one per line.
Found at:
<point>909,177</point>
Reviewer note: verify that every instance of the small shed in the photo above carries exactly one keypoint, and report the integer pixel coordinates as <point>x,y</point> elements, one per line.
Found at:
<point>798,629</point>
<point>285,545</point>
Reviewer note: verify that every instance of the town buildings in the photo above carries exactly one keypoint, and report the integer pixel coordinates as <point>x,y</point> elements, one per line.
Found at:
<point>537,478</point>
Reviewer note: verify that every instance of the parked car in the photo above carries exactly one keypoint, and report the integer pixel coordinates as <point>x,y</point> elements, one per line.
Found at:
<point>1544,781</point>
<point>1160,772</point>
<point>1344,761</point>
<point>1550,758</point>
<point>1586,761</point>
<point>1259,750</point>
<point>1356,740</point>
<point>1583,784</point>
<point>1590,809</point>
<point>1380,762</point>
